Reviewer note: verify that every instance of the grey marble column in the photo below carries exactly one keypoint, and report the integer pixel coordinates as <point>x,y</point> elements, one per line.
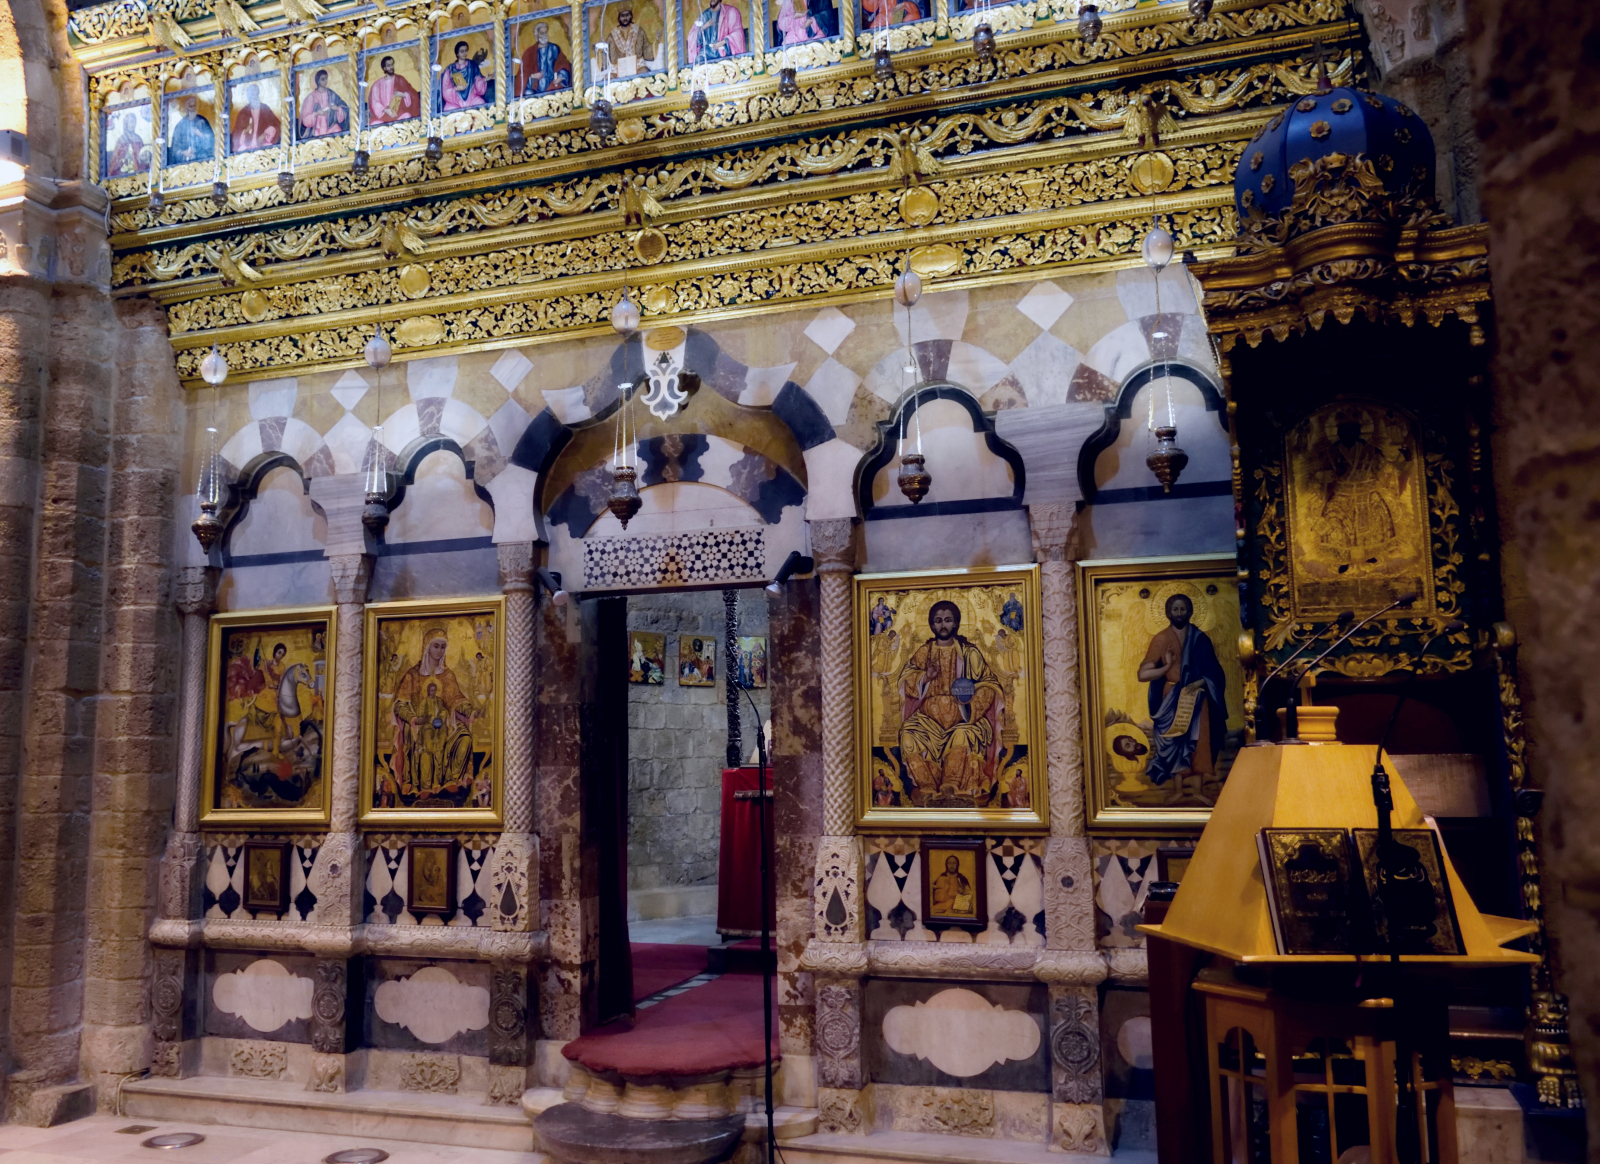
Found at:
<point>181,879</point>
<point>1077,1115</point>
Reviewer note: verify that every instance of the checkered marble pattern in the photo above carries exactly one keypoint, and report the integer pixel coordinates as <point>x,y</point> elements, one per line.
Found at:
<point>1015,868</point>
<point>223,895</point>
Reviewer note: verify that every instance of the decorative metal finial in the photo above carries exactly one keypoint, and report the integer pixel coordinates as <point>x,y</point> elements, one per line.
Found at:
<point>378,353</point>
<point>1158,248</point>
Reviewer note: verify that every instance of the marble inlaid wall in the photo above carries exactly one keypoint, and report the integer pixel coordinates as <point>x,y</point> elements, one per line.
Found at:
<point>1015,894</point>
<point>944,1034</point>
<point>1124,870</point>
<point>249,996</point>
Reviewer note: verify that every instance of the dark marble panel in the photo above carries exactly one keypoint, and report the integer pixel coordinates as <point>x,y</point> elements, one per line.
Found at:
<point>883,1064</point>
<point>1125,1043</point>
<point>246,996</point>
<point>408,1012</point>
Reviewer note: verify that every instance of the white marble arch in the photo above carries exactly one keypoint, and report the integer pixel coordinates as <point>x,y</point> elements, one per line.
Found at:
<point>1200,434</point>
<point>274,547</point>
<point>960,459</point>
<point>437,501</point>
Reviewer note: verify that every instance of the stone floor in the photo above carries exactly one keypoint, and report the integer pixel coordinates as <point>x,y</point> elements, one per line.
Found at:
<point>101,1138</point>
<point>700,930</point>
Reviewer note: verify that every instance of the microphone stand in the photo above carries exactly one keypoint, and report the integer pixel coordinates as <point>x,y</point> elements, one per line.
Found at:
<point>1261,721</point>
<point>766,927</point>
<point>1291,719</point>
<point>1408,1147</point>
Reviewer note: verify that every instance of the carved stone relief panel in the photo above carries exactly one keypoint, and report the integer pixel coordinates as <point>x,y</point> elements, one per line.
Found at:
<point>838,1033</point>
<point>1075,1044</point>
<point>836,896</point>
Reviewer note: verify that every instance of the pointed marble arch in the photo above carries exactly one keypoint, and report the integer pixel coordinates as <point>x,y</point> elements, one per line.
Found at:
<point>1119,408</point>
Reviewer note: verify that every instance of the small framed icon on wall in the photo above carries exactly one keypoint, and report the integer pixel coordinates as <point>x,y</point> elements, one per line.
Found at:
<point>431,878</point>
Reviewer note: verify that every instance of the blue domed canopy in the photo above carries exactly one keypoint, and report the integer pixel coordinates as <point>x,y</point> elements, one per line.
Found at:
<point>1334,121</point>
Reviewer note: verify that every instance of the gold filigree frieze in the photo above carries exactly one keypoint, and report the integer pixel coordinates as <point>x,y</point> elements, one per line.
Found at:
<point>495,220</point>
<point>781,224</point>
<point>1095,237</point>
<point>746,112</point>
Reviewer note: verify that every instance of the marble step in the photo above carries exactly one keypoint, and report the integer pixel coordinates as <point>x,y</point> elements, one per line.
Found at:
<point>928,1148</point>
<point>271,1104</point>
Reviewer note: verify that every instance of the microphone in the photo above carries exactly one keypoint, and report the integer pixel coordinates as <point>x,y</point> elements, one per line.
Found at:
<point>1263,729</point>
<point>1291,720</point>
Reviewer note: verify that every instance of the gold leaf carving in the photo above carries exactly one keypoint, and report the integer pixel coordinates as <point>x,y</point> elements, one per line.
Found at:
<point>420,331</point>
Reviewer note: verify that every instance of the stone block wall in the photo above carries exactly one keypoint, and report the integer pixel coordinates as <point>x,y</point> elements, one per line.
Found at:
<point>677,740</point>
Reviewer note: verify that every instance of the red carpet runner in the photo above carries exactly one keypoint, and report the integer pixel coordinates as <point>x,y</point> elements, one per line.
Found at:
<point>657,966</point>
<point>714,1027</point>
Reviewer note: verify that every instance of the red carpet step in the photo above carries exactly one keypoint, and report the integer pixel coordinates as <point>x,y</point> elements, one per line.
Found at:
<point>658,966</point>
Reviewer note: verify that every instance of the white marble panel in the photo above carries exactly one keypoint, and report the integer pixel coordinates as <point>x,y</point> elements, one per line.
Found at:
<point>974,368</point>
<point>280,519</point>
<point>568,404</point>
<point>461,422</point>
<point>511,369</point>
<point>958,458</point>
<point>401,427</point>
<point>1120,352</point>
<point>508,424</point>
<point>1044,369</point>
<point>937,315</point>
<point>513,489</point>
<point>833,387</point>
<point>1044,303</point>
<point>432,1004</point>
<point>265,995</point>
<point>440,504</point>
<point>1136,288</point>
<point>299,440</point>
<point>762,385</point>
<point>269,398</point>
<point>431,377</point>
<point>960,1032</point>
<point>243,446</point>
<point>829,329</point>
<point>830,480</point>
<point>349,389</point>
<point>348,441</point>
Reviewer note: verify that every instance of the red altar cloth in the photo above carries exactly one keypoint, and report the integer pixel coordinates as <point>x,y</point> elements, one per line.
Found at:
<point>739,867</point>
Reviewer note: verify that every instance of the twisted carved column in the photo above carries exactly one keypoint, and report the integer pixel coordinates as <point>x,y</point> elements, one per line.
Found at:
<point>1077,1117</point>
<point>837,951</point>
<point>513,873</point>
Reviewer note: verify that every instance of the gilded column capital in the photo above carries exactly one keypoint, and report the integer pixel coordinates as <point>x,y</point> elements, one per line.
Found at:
<point>351,574</point>
<point>833,545</point>
<point>195,589</point>
<point>1054,525</point>
<point>516,566</point>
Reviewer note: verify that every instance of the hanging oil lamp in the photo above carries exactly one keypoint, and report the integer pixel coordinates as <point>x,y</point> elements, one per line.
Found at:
<point>1089,23</point>
<point>882,57</point>
<point>375,510</point>
<point>913,479</point>
<point>219,188</point>
<point>286,171</point>
<point>624,501</point>
<point>602,119</point>
<point>207,527</point>
<point>361,159</point>
<point>155,189</point>
<point>698,102</point>
<point>516,135</point>
<point>1200,9</point>
<point>983,34</point>
<point>625,315</point>
<point>788,78</point>
<point>1167,460</point>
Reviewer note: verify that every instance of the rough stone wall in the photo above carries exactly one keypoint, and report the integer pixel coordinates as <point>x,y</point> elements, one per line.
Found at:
<point>677,743</point>
<point>1419,57</point>
<point>1536,85</point>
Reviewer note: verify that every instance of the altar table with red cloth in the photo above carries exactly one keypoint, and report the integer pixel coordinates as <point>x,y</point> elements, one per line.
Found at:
<point>739,866</point>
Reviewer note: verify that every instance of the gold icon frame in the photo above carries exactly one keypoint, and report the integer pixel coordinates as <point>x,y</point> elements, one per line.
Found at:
<point>212,816</point>
<point>419,610</point>
<point>1104,816</point>
<point>1027,701</point>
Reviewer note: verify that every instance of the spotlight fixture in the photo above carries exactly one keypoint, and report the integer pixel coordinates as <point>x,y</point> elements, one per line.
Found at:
<point>1089,23</point>
<point>788,82</point>
<point>516,137</point>
<point>359,162</point>
<point>602,119</point>
<point>552,583</point>
<point>795,563</point>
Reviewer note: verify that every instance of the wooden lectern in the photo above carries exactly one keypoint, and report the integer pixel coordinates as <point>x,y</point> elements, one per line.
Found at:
<point>1290,1036</point>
